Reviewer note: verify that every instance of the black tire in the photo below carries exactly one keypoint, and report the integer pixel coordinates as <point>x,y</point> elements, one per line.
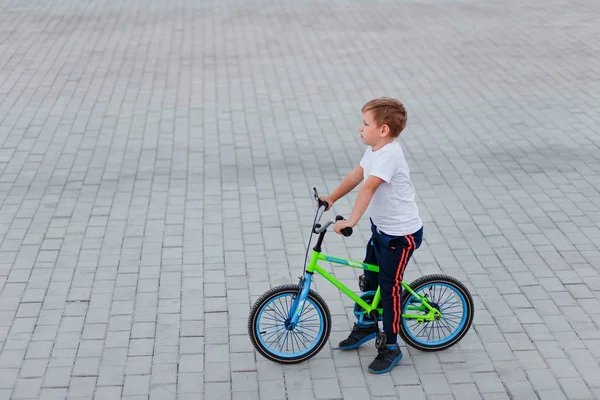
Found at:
<point>469,311</point>
<point>264,299</point>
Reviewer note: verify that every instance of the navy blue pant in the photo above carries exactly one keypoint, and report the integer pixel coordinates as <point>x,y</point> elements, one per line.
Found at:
<point>391,254</point>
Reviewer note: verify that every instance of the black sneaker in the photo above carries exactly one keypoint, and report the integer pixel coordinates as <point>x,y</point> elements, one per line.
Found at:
<point>358,336</point>
<point>386,359</point>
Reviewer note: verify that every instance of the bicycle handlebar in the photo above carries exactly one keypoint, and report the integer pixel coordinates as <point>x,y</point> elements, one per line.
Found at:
<point>347,231</point>
<point>323,205</point>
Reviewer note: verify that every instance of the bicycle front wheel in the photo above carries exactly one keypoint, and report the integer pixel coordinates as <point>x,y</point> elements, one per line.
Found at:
<point>270,332</point>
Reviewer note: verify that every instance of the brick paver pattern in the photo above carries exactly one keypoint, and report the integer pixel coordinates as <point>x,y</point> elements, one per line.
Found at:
<point>156,166</point>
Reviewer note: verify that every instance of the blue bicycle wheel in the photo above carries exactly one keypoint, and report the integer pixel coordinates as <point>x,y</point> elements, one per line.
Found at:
<point>271,334</point>
<point>447,295</point>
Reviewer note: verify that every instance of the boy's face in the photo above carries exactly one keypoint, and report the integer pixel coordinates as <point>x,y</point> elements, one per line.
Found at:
<point>370,133</point>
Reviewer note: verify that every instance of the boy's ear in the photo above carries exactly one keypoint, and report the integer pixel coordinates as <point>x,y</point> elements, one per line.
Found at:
<point>385,130</point>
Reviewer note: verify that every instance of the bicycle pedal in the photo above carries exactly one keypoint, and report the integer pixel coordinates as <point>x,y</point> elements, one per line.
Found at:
<point>380,340</point>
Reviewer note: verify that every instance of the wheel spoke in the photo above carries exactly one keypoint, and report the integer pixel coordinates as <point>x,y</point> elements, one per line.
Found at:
<point>422,329</point>
<point>451,318</point>
<point>272,325</point>
<point>439,300</point>
<point>297,340</point>
<point>439,330</point>
<point>281,309</point>
<point>305,337</point>
<point>271,334</point>
<point>306,310</point>
<point>293,341</point>
<point>431,330</point>
<point>273,319</point>
<point>451,305</point>
<point>308,328</point>
<point>286,333</point>
<point>451,324</point>
<point>315,318</point>
<point>278,339</point>
<point>443,324</point>
<point>287,308</point>
<point>276,313</point>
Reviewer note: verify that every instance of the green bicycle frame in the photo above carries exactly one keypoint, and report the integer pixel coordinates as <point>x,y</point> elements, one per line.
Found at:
<point>313,267</point>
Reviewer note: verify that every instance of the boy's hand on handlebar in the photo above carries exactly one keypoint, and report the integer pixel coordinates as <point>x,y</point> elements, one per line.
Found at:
<point>339,225</point>
<point>328,200</point>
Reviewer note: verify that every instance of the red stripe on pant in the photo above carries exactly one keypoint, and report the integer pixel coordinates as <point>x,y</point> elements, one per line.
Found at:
<point>397,289</point>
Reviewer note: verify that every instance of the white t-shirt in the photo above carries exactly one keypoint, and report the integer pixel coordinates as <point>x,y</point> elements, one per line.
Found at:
<point>393,208</point>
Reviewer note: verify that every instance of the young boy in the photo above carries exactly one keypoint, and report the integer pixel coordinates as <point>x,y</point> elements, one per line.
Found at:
<point>397,229</point>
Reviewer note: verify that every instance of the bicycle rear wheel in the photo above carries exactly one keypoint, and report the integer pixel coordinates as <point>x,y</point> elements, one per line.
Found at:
<point>451,298</point>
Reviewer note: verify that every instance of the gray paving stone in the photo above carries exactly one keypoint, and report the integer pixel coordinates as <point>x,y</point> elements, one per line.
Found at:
<point>351,377</point>
<point>57,377</point>
<point>191,363</point>
<point>33,368</point>
<point>9,379</point>
<point>82,386</point>
<point>163,392</point>
<point>136,385</point>
<point>410,392</point>
<point>163,374</point>
<point>543,379</point>
<point>165,355</point>
<point>244,381</point>
<point>520,389</point>
<point>39,349</point>
<point>327,388</point>
<point>220,390</point>
<point>12,358</point>
<point>434,384</point>
<point>111,375</point>
<point>190,383</point>
<point>217,372</point>
<point>551,394</point>
<point>139,365</point>
<point>522,341</point>
<point>26,388</point>
<point>465,391</point>
<point>53,394</point>
<point>456,374</point>
<point>322,368</point>
<point>575,388</point>
<point>108,393</point>
<point>191,345</point>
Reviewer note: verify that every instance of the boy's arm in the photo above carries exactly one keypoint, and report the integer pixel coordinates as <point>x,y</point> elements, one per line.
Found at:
<point>365,194</point>
<point>351,181</point>
<point>363,199</point>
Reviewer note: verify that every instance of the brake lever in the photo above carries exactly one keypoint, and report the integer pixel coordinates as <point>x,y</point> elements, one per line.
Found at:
<point>319,201</point>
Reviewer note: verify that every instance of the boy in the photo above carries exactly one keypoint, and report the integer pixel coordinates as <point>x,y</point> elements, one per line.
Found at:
<point>397,229</point>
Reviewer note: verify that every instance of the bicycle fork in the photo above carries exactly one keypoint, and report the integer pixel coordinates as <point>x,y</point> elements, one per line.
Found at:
<point>298,305</point>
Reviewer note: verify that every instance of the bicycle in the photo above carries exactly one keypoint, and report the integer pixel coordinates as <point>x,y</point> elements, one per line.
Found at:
<point>297,321</point>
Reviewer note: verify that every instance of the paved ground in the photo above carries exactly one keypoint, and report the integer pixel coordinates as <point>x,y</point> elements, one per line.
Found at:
<point>156,164</point>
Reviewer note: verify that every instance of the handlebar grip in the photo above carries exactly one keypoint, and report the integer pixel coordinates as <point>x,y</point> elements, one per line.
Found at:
<point>347,231</point>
